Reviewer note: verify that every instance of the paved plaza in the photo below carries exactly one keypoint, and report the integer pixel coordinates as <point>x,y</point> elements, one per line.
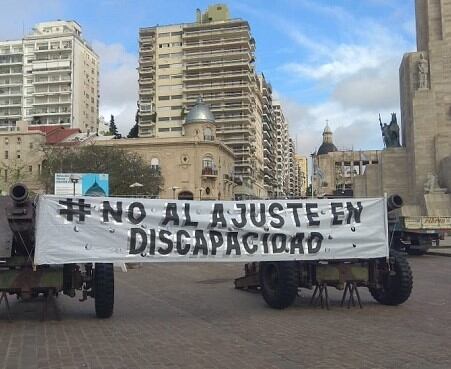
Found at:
<point>190,316</point>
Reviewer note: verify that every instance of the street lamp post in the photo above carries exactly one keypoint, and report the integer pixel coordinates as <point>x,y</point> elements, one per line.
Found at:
<point>136,185</point>
<point>174,188</point>
<point>74,178</point>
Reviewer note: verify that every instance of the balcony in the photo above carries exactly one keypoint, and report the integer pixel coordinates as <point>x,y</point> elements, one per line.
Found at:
<point>220,54</point>
<point>146,91</point>
<point>209,172</point>
<point>231,41</point>
<point>9,83</point>
<point>191,33</point>
<point>12,104</point>
<point>44,81</point>
<point>11,72</point>
<point>216,64</point>
<point>38,103</point>
<point>147,60</point>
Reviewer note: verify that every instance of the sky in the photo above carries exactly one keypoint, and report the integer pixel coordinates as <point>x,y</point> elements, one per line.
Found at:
<point>332,61</point>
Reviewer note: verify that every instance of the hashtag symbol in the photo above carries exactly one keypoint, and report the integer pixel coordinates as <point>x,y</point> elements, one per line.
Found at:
<point>81,211</point>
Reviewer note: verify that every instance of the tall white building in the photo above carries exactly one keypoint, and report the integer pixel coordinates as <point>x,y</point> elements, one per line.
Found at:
<point>50,77</point>
<point>212,57</point>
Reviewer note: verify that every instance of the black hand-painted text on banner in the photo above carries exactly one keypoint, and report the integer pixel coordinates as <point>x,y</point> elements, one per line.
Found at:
<point>141,230</point>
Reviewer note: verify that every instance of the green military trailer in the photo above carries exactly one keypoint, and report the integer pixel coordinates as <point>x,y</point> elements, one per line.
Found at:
<point>21,277</point>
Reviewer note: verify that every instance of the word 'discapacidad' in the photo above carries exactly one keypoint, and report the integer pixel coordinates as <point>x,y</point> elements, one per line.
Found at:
<point>129,230</point>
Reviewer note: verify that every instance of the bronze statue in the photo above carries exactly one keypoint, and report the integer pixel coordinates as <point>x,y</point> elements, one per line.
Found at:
<point>390,132</point>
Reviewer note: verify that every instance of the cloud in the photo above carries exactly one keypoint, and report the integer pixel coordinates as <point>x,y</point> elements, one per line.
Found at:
<point>118,84</point>
<point>18,17</point>
<point>370,89</point>
<point>354,128</point>
<point>358,76</point>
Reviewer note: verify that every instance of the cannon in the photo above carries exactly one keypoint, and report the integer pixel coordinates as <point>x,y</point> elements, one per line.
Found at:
<point>389,280</point>
<point>21,277</point>
<point>413,234</point>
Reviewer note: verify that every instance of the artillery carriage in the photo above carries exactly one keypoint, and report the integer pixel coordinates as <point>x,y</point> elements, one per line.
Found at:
<point>21,277</point>
<point>389,280</point>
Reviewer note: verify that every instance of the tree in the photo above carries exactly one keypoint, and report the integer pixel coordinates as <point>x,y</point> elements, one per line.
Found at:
<point>12,172</point>
<point>135,129</point>
<point>113,128</point>
<point>124,168</point>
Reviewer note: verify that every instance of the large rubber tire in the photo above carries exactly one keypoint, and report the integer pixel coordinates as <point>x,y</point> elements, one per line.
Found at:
<point>104,290</point>
<point>279,283</point>
<point>396,288</point>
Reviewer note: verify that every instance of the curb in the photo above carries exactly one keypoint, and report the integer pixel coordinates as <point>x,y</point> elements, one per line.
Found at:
<point>438,253</point>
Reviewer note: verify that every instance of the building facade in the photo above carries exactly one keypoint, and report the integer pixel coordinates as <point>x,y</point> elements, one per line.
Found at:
<point>194,166</point>
<point>335,171</point>
<point>212,57</point>
<point>50,77</point>
<point>282,173</point>
<point>302,175</point>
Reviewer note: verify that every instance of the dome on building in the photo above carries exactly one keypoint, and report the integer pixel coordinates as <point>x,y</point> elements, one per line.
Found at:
<point>200,113</point>
<point>327,146</point>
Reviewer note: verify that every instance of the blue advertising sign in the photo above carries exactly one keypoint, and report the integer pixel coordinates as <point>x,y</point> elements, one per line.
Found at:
<point>82,184</point>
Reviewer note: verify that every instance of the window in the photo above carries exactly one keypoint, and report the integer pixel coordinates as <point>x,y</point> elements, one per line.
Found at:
<point>18,154</point>
<point>6,141</point>
<point>163,119</point>
<point>31,145</point>
<point>164,66</point>
<point>30,168</point>
<point>163,34</point>
<point>176,107</point>
<point>163,129</point>
<point>176,129</point>
<point>176,97</point>
<point>208,166</point>
<point>163,76</point>
<point>208,134</point>
<point>176,44</point>
<point>6,154</point>
<point>179,33</point>
<point>207,162</point>
<point>161,98</point>
<point>163,56</point>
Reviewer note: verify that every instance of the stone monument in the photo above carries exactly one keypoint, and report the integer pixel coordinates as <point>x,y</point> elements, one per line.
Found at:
<point>419,170</point>
<point>425,84</point>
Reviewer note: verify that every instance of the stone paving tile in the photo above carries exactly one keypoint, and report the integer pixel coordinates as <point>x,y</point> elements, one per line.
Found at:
<point>190,316</point>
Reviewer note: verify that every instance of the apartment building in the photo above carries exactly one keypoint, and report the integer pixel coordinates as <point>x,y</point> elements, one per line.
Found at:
<point>293,181</point>
<point>212,57</point>
<point>282,151</point>
<point>50,77</point>
<point>269,136</point>
<point>302,174</point>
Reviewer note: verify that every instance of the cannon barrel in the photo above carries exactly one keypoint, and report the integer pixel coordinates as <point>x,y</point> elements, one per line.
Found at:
<point>18,193</point>
<point>394,202</point>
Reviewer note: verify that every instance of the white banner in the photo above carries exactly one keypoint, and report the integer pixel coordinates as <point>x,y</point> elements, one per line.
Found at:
<point>96,229</point>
